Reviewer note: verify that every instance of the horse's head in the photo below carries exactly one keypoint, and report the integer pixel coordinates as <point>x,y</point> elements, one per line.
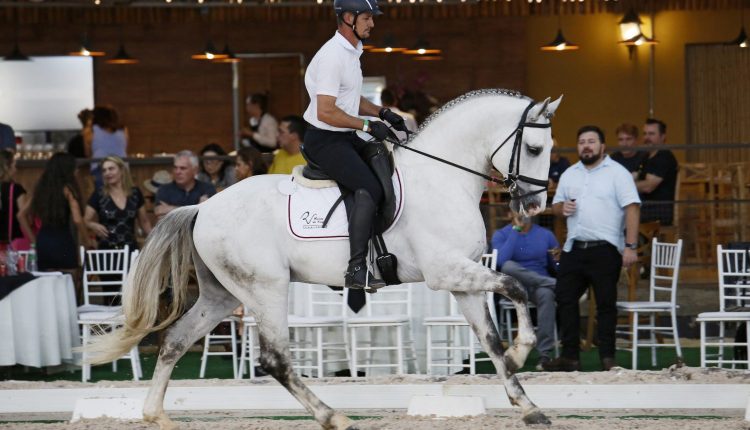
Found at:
<point>526,156</point>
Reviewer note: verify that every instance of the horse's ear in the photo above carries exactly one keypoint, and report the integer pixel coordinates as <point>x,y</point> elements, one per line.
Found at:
<point>552,107</point>
<point>538,110</point>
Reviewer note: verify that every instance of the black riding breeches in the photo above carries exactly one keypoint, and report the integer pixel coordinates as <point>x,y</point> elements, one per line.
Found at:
<point>338,154</point>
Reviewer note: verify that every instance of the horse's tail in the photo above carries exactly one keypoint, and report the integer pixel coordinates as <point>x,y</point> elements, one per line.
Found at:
<point>164,262</point>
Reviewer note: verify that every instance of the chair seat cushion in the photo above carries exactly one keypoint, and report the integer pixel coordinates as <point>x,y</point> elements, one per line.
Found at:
<point>100,318</point>
<point>98,308</point>
<point>296,320</point>
<point>646,306</point>
<point>384,319</point>
<point>448,319</point>
<point>723,316</point>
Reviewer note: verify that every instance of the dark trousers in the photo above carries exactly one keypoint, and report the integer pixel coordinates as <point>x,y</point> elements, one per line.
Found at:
<point>338,154</point>
<point>599,267</point>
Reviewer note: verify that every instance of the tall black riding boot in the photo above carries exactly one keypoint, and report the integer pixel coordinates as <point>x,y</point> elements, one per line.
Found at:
<point>360,230</point>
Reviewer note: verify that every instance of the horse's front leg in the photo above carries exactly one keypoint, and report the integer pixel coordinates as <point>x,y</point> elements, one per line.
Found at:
<point>469,281</point>
<point>474,308</point>
<point>464,275</point>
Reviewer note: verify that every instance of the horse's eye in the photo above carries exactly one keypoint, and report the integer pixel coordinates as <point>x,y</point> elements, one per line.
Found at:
<point>534,150</point>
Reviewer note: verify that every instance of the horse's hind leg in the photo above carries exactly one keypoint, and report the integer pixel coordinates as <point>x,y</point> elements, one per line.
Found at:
<point>213,305</point>
<point>275,357</point>
<point>474,308</point>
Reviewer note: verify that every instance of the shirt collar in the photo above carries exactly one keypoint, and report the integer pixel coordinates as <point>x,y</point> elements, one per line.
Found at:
<point>606,162</point>
<point>345,43</point>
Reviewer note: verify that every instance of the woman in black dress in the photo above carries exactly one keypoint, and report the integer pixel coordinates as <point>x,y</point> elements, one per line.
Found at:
<point>13,230</point>
<point>56,205</point>
<point>112,211</point>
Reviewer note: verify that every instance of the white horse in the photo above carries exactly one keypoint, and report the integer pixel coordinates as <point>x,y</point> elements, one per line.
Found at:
<point>242,252</point>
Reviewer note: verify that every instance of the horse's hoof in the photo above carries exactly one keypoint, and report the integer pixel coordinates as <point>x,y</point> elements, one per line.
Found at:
<point>536,417</point>
<point>162,420</point>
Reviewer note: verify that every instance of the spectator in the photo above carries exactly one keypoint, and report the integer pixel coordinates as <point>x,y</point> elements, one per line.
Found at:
<point>261,132</point>
<point>525,251</point>
<point>657,179</point>
<point>599,200</point>
<point>250,162</point>
<point>14,197</point>
<point>388,100</point>
<point>56,204</point>
<point>112,210</point>
<point>627,137</point>
<point>291,135</point>
<point>184,190</point>
<point>218,173</point>
<point>105,136</point>
<point>7,138</point>
<point>76,146</point>
<point>557,164</point>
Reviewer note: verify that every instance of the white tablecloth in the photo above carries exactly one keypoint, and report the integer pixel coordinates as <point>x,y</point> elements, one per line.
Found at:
<point>38,323</point>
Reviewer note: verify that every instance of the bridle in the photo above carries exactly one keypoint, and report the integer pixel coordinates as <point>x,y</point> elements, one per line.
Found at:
<point>512,178</point>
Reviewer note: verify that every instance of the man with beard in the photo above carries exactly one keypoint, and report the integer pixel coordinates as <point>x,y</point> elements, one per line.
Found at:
<point>658,176</point>
<point>598,198</point>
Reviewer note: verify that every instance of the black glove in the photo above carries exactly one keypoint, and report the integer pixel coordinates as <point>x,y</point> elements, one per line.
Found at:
<point>396,120</point>
<point>379,130</point>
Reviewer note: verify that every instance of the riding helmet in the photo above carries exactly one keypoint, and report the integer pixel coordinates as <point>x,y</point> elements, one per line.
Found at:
<point>356,7</point>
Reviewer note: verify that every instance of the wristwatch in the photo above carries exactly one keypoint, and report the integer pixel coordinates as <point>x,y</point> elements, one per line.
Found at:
<point>632,246</point>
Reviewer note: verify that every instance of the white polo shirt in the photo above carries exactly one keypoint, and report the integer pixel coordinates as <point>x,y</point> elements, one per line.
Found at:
<point>334,71</point>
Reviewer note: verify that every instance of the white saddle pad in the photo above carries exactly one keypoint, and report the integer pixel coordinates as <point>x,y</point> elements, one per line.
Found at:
<point>308,208</point>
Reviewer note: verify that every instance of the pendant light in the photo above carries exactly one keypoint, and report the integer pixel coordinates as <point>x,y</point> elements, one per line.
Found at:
<point>209,53</point>
<point>86,50</point>
<point>741,39</point>
<point>16,54</point>
<point>422,47</point>
<point>559,43</point>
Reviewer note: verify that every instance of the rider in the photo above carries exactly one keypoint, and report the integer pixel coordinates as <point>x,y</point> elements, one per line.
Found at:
<point>334,83</point>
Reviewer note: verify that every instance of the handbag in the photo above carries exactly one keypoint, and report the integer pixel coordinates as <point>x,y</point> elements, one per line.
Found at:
<point>22,243</point>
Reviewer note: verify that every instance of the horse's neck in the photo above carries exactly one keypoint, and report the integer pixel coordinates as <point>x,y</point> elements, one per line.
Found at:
<point>463,135</point>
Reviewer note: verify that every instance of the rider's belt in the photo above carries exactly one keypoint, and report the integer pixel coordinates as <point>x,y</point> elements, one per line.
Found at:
<point>585,244</point>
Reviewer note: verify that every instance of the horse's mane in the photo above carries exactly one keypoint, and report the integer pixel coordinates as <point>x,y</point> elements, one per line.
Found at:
<point>460,99</point>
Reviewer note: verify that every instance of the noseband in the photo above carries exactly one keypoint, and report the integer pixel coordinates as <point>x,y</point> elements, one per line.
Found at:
<point>514,175</point>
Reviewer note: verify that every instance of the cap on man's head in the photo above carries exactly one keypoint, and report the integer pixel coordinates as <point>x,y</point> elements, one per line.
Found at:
<point>159,178</point>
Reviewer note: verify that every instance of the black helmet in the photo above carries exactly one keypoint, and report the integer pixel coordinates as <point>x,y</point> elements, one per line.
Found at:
<point>356,7</point>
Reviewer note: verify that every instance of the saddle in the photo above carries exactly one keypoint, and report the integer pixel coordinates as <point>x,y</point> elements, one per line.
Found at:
<point>380,160</point>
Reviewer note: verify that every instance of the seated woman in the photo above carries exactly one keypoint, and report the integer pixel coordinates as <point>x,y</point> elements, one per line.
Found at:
<point>13,198</point>
<point>250,162</point>
<point>56,204</point>
<point>218,173</point>
<point>112,211</point>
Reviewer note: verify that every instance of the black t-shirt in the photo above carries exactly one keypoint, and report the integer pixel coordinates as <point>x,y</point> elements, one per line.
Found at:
<point>16,228</point>
<point>632,164</point>
<point>120,223</point>
<point>664,165</point>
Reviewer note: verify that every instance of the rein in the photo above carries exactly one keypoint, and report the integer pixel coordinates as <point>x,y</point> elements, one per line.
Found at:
<point>512,179</point>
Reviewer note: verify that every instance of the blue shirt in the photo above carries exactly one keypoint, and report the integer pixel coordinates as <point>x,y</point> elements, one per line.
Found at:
<point>530,249</point>
<point>601,195</point>
<point>173,195</point>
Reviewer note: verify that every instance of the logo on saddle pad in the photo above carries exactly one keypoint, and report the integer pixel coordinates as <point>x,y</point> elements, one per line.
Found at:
<point>312,220</point>
<point>310,202</point>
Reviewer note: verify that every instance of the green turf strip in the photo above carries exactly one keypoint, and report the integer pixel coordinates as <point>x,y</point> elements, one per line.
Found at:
<point>218,367</point>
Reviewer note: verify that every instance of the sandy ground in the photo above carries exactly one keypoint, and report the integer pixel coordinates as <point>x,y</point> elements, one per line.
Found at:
<point>398,420</point>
